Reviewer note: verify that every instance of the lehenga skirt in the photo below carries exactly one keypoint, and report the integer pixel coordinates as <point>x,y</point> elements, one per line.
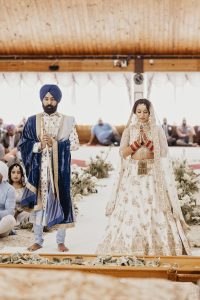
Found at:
<point>137,225</point>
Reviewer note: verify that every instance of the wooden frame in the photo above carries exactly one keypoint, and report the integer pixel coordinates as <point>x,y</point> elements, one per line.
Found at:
<point>183,268</point>
<point>98,65</point>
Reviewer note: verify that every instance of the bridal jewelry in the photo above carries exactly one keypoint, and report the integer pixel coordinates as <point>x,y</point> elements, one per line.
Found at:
<point>142,167</point>
<point>142,164</point>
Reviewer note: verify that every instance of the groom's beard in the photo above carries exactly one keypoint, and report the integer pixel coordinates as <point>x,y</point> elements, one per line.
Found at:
<point>50,109</point>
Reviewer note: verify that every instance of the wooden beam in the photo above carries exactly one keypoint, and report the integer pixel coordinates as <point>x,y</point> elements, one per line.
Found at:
<point>64,66</point>
<point>171,65</point>
<point>95,65</point>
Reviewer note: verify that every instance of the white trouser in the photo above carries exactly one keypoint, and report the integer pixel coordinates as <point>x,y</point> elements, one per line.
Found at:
<point>7,223</point>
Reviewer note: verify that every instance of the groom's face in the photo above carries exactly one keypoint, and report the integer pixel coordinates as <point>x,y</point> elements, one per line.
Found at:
<point>49,104</point>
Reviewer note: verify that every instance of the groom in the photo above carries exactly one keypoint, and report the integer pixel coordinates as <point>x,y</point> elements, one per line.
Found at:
<point>45,147</point>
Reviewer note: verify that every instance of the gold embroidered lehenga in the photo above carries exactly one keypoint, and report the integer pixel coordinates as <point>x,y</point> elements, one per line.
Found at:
<point>144,212</point>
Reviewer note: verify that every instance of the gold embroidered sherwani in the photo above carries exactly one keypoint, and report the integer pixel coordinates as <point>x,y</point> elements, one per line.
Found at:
<point>50,124</point>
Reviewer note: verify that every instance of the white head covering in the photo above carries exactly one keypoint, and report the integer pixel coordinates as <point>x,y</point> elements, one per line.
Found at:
<point>163,167</point>
<point>4,171</point>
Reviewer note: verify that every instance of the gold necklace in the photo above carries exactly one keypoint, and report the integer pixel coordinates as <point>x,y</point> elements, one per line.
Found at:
<point>142,163</point>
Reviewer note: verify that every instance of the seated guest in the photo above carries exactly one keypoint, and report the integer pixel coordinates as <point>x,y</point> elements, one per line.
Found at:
<point>11,156</point>
<point>20,126</point>
<point>185,134</point>
<point>2,129</point>
<point>2,152</point>
<point>17,179</point>
<point>105,134</point>
<point>198,135</point>
<point>7,202</point>
<point>168,132</point>
<point>11,138</point>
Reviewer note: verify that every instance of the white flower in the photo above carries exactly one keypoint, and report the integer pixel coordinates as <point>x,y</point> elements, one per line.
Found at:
<point>186,199</point>
<point>177,184</point>
<point>180,191</point>
<point>77,197</point>
<point>87,162</point>
<point>186,177</point>
<point>85,191</point>
<point>196,218</point>
<point>195,179</point>
<point>94,179</point>
<point>74,168</point>
<point>85,176</point>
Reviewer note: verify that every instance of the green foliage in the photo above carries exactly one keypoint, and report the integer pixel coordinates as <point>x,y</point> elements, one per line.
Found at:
<point>82,183</point>
<point>187,182</point>
<point>98,166</point>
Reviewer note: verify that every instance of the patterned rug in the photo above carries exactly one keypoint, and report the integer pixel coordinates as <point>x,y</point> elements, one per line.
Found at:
<point>79,162</point>
<point>195,166</point>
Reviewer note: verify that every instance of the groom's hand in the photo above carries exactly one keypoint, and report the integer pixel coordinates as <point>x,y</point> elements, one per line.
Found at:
<point>46,140</point>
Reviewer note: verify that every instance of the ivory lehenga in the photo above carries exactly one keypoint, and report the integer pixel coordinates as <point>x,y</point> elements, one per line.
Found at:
<point>144,212</point>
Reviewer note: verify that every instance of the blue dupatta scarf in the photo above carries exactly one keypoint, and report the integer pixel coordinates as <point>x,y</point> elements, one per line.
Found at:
<point>59,207</point>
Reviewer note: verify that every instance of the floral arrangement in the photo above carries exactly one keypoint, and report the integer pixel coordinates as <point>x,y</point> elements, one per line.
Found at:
<point>84,180</point>
<point>82,183</point>
<point>98,166</point>
<point>126,261</point>
<point>188,184</point>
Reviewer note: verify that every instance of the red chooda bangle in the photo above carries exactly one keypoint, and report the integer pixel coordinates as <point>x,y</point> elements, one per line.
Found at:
<point>149,145</point>
<point>134,146</point>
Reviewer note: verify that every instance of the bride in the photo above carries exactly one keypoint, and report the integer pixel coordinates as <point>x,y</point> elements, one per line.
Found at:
<point>144,212</point>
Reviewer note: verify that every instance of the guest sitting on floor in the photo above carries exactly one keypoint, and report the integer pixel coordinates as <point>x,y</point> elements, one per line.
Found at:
<point>17,179</point>
<point>2,152</point>
<point>7,202</point>
<point>11,138</point>
<point>2,129</point>
<point>105,134</point>
<point>185,134</point>
<point>20,126</point>
<point>168,132</point>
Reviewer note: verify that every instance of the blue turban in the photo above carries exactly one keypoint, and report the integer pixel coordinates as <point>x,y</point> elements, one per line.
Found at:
<point>53,89</point>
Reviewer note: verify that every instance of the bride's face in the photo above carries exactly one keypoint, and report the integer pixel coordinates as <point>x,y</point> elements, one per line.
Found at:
<point>142,113</point>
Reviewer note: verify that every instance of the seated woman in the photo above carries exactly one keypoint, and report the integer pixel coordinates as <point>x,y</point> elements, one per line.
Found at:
<point>7,202</point>
<point>17,180</point>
